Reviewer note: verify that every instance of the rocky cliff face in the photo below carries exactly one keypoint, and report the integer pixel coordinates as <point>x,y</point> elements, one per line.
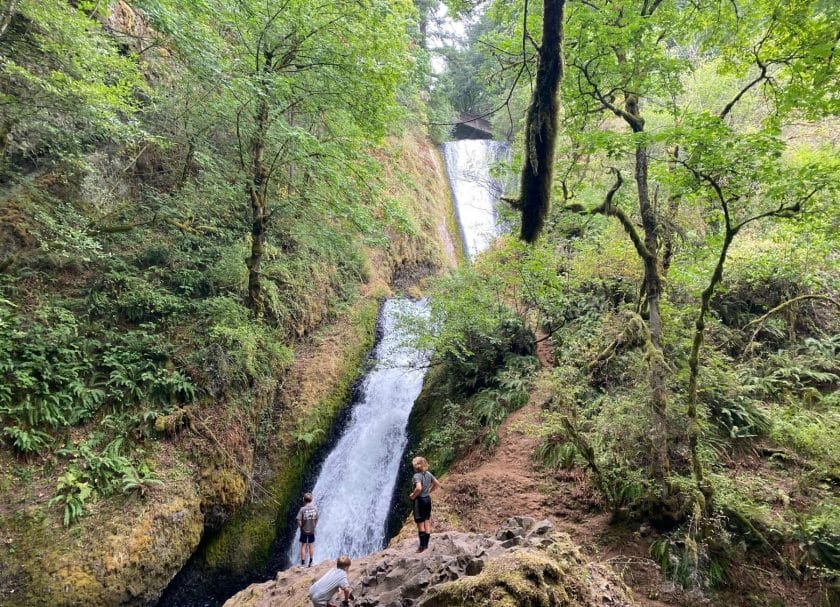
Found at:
<point>526,563</point>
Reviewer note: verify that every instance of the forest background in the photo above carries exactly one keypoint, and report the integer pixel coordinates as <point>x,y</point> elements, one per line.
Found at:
<point>685,274</point>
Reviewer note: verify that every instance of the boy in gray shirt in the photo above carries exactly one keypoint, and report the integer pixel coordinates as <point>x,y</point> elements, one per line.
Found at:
<point>322,591</point>
<point>307,520</point>
<point>424,483</point>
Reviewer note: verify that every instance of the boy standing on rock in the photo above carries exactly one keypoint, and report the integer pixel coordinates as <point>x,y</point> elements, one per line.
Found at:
<point>307,520</point>
<point>424,483</point>
<point>322,591</point>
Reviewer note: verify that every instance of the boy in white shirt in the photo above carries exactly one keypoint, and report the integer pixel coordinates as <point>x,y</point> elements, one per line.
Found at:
<point>322,591</point>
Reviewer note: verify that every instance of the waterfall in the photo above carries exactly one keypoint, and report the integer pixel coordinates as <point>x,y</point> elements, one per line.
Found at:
<point>474,190</point>
<point>355,486</point>
<point>356,482</point>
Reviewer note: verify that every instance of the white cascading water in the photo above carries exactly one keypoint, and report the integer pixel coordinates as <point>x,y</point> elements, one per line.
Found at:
<point>474,191</point>
<point>354,488</point>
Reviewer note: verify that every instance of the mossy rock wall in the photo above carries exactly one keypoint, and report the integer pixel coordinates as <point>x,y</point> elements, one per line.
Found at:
<point>233,461</point>
<point>320,382</point>
<point>244,543</point>
<point>123,559</point>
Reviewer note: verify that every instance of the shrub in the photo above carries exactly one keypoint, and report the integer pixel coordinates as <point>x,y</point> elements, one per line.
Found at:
<point>237,348</point>
<point>697,555</point>
<point>93,472</point>
<point>818,536</point>
<point>465,419</point>
<point>138,300</point>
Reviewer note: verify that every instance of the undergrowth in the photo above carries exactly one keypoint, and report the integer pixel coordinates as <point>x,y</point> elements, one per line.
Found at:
<point>480,372</point>
<point>767,392</point>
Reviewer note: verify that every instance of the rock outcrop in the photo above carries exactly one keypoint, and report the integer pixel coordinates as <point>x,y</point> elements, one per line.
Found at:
<point>526,564</point>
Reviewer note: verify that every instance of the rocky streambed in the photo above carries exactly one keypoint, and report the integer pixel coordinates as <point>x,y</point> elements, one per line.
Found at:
<point>526,563</point>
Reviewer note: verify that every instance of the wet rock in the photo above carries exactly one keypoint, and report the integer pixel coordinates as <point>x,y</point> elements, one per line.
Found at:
<point>474,567</point>
<point>526,563</point>
<point>516,526</point>
<point>542,528</point>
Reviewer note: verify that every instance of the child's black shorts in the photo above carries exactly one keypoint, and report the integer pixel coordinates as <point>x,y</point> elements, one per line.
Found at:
<point>307,538</point>
<point>422,508</point>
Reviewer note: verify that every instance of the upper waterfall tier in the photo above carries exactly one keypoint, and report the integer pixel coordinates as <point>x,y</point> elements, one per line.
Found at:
<point>474,190</point>
<point>356,483</point>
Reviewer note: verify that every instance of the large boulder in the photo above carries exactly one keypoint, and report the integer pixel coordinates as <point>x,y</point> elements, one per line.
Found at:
<point>125,558</point>
<point>526,564</point>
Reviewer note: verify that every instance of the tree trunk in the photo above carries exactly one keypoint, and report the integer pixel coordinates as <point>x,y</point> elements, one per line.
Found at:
<point>257,191</point>
<point>541,125</point>
<point>669,230</point>
<point>694,370</point>
<point>653,292</point>
<point>7,13</point>
<point>258,230</point>
<point>5,139</point>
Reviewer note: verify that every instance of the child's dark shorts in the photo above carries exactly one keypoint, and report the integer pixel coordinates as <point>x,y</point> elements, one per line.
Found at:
<point>422,508</point>
<point>307,538</point>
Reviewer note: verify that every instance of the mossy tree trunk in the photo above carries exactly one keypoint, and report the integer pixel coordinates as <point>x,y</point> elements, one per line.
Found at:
<point>786,208</point>
<point>262,169</point>
<point>646,243</point>
<point>7,13</point>
<point>541,125</point>
<point>5,138</point>
<point>653,293</point>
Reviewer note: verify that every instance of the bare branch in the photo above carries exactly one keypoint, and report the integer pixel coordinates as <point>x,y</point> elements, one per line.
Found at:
<point>760,320</point>
<point>607,208</point>
<point>783,210</point>
<point>605,98</point>
<point>728,107</point>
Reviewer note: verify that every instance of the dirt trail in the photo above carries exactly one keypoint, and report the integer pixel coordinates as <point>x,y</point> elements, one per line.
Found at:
<point>483,489</point>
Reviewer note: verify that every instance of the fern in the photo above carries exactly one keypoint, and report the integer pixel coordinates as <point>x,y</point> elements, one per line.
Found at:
<point>556,454</point>
<point>818,537</point>
<point>27,440</point>
<point>308,438</point>
<point>139,480</point>
<point>73,492</point>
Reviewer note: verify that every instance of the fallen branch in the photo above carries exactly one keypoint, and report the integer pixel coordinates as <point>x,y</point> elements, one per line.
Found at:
<point>760,320</point>
<point>629,337</point>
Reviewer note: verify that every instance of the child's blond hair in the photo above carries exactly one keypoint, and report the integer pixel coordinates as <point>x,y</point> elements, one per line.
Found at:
<point>307,497</point>
<point>343,562</point>
<point>420,464</point>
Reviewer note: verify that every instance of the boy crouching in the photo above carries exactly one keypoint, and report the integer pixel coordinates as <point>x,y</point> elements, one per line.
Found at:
<point>322,591</point>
